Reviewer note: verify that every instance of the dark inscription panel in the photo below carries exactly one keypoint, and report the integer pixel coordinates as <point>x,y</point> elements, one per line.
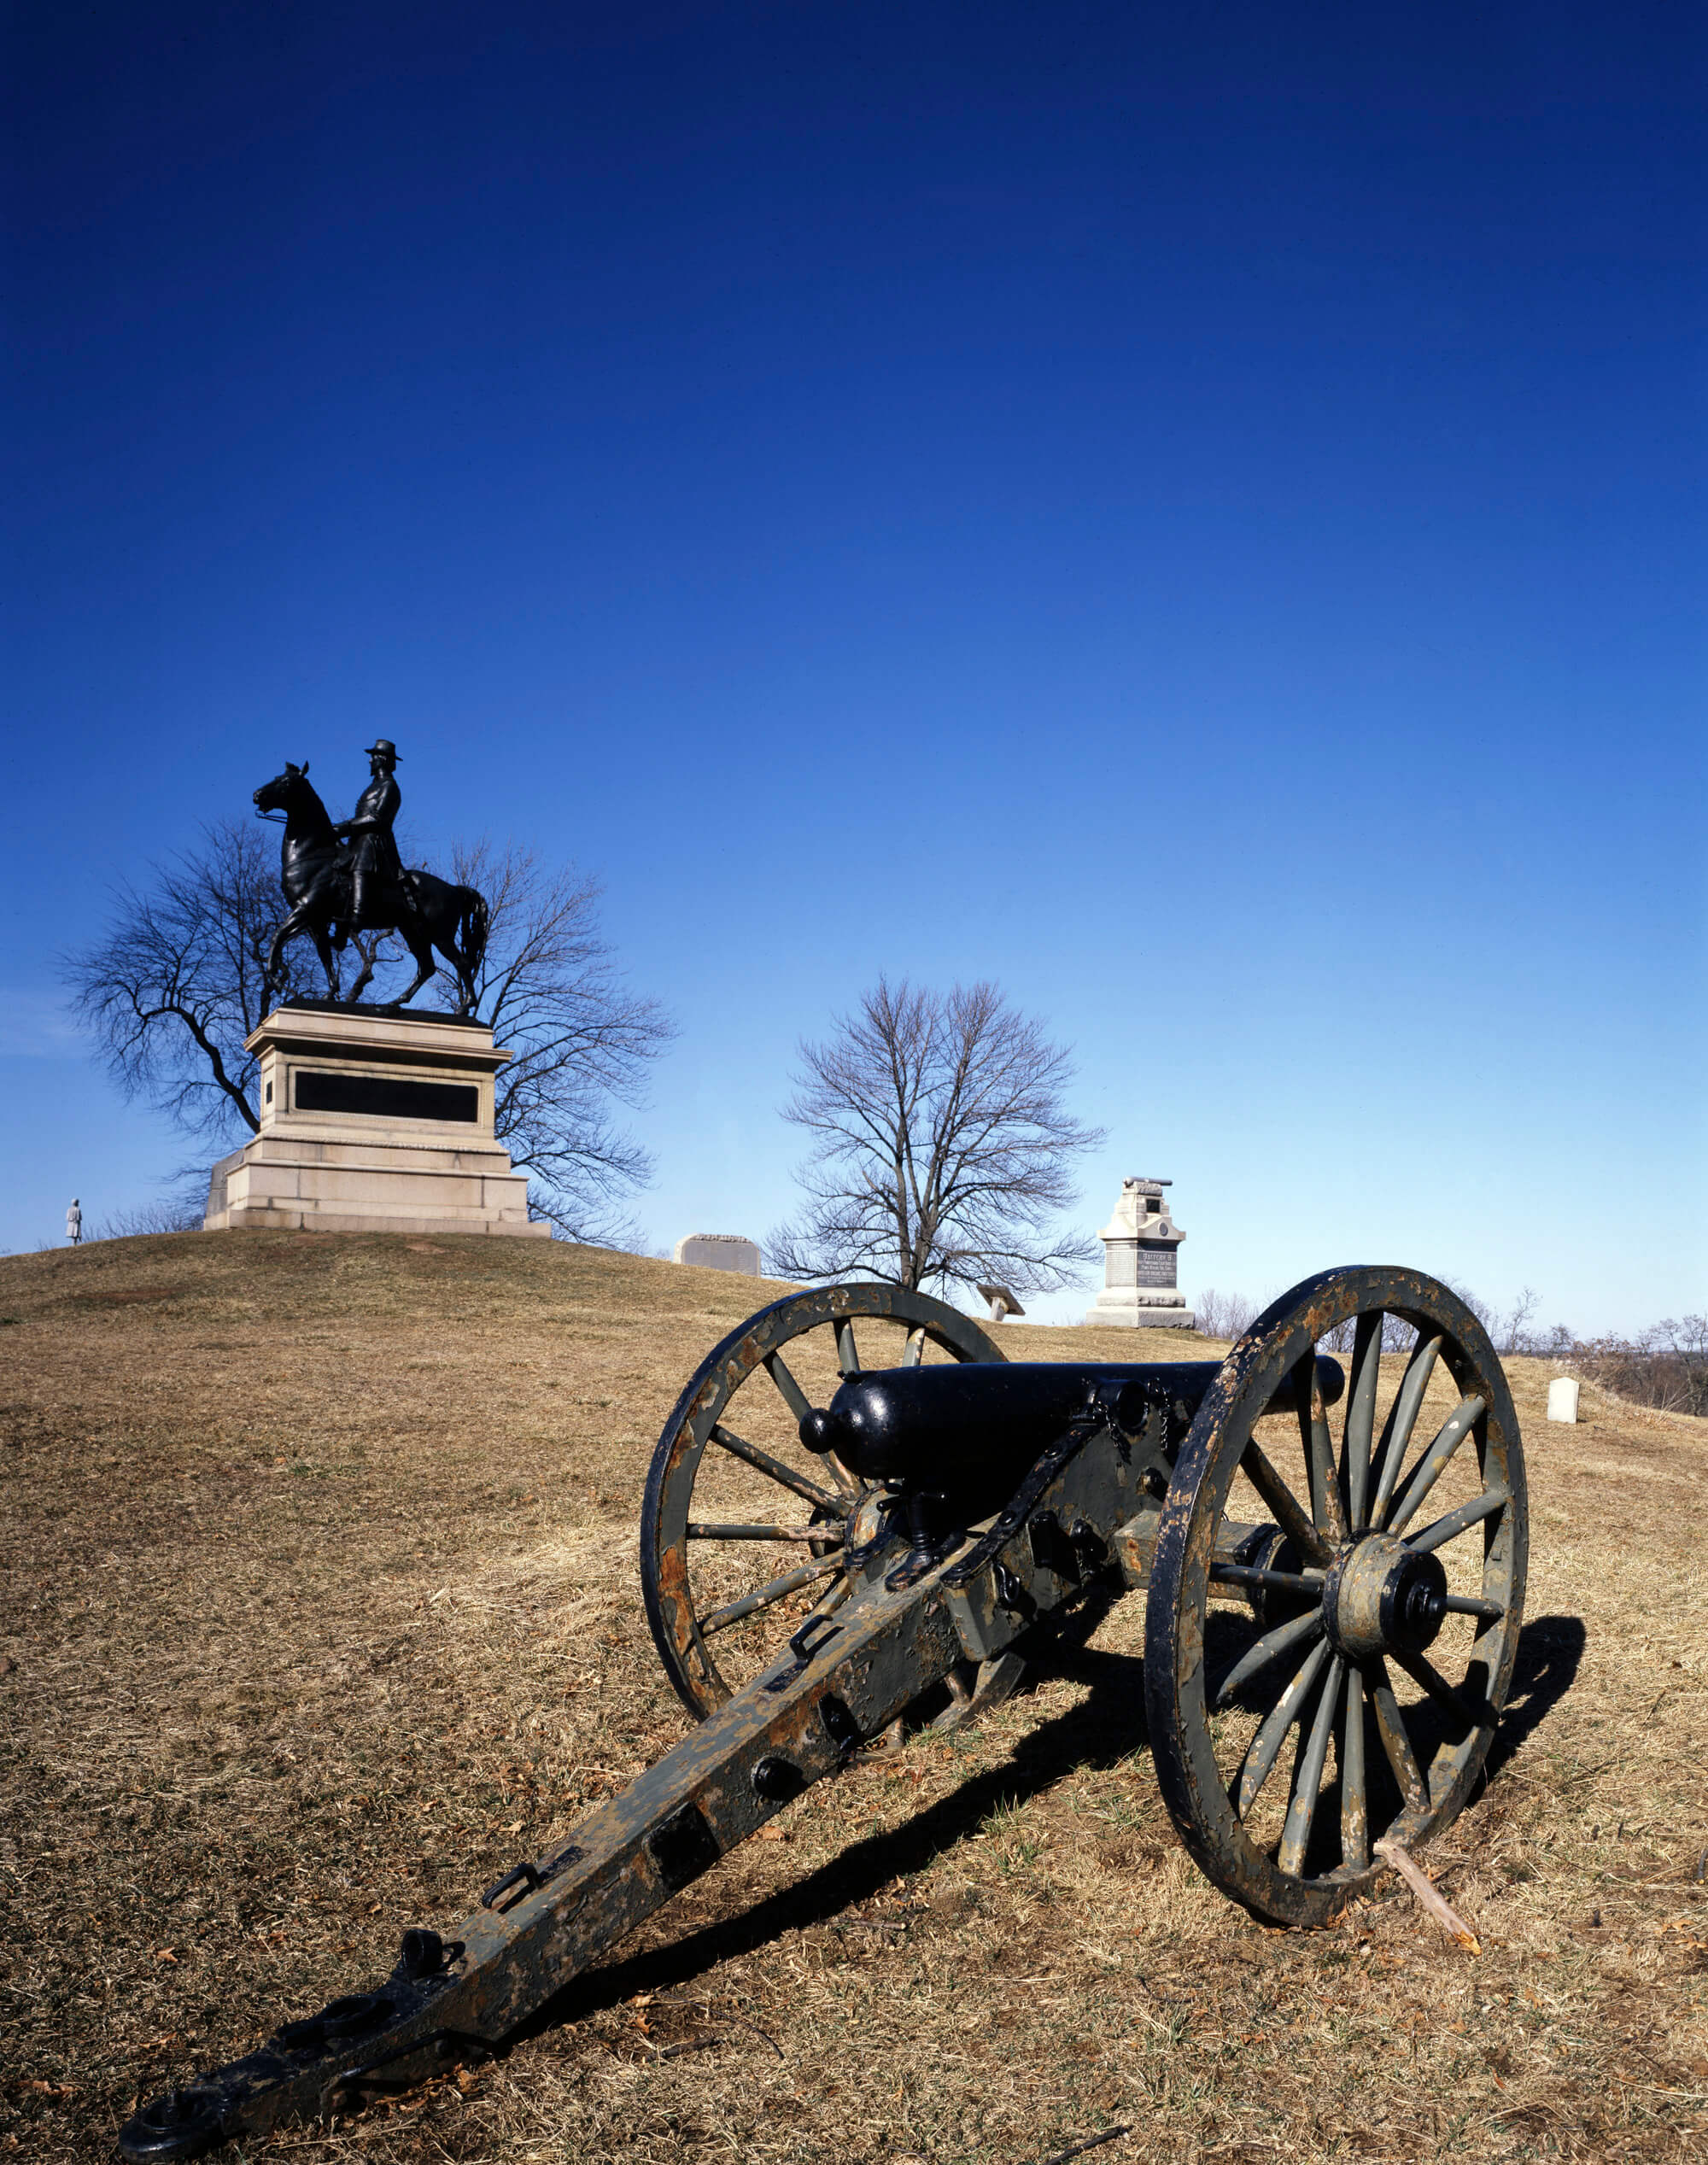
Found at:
<point>385,1097</point>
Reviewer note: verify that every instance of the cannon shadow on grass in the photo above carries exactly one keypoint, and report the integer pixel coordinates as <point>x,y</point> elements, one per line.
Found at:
<point>1550,1648</point>
<point>1107,1727</point>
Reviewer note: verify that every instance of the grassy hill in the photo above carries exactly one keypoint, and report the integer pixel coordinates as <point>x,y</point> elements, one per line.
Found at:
<point>320,1609</point>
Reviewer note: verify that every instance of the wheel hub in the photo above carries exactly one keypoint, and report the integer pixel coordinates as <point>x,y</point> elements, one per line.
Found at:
<point>1381,1597</point>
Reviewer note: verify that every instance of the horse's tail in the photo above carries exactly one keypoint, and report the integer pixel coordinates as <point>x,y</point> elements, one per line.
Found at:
<point>471,931</point>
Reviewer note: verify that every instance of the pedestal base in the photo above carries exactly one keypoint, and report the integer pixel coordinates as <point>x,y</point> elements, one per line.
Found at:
<point>372,1122</point>
<point>285,1183</point>
<point>1138,1312</point>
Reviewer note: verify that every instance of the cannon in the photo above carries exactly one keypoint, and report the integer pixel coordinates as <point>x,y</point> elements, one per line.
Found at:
<point>1329,1528</point>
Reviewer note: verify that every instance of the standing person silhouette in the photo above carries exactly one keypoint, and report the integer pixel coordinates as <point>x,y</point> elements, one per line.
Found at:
<point>73,1223</point>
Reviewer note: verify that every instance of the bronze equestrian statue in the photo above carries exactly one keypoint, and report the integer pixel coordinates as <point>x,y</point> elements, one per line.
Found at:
<point>349,878</point>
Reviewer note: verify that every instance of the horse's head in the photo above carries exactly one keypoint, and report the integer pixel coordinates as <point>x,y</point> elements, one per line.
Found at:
<point>287,792</point>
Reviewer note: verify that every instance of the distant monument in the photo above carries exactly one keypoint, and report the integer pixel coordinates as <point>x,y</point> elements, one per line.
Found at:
<point>1139,1247</point>
<point>371,1119</point>
<point>720,1252</point>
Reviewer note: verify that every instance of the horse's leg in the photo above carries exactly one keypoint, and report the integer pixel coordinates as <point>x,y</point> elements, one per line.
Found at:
<point>367,971</point>
<point>287,929</point>
<point>323,948</point>
<point>425,967</point>
<point>445,943</point>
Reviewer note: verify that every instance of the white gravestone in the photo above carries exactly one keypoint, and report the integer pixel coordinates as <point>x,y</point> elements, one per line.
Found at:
<point>1563,1399</point>
<point>1140,1246</point>
<point>720,1252</point>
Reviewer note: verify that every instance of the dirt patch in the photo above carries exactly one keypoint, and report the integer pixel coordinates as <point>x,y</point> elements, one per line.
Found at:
<point>319,1585</point>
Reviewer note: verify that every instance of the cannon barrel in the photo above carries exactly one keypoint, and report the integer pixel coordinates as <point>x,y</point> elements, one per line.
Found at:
<point>968,1431</point>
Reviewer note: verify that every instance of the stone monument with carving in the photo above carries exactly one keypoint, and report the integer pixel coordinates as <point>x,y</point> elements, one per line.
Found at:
<point>1140,1241</point>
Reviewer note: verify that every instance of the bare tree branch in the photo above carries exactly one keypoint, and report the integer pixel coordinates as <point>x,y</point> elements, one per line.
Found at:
<point>581,1040</point>
<point>941,1150</point>
<point>178,982</point>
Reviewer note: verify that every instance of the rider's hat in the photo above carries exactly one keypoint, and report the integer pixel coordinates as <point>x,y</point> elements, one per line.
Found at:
<point>384,747</point>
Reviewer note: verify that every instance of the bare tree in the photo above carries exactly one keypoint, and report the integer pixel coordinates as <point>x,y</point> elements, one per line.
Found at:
<point>1223,1315</point>
<point>942,1150</point>
<point>1516,1327</point>
<point>177,983</point>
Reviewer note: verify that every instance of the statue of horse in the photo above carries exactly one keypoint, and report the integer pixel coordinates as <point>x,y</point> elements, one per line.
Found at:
<point>315,871</point>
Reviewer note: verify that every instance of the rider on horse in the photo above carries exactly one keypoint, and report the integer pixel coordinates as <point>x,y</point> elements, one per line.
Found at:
<point>347,879</point>
<point>378,882</point>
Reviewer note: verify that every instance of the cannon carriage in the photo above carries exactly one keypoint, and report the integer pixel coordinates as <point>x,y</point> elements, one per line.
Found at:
<point>861,1519</point>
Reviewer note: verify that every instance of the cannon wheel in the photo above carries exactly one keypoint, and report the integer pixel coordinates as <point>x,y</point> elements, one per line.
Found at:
<point>805,1522</point>
<point>1350,1624</point>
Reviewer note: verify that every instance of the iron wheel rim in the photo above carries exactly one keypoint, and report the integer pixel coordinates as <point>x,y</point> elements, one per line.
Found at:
<point>1210,1809</point>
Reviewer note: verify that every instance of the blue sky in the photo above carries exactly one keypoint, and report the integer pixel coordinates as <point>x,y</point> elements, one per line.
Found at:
<point>1196,515</point>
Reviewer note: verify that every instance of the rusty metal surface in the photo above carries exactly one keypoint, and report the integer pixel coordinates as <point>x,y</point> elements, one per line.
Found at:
<point>1132,1493</point>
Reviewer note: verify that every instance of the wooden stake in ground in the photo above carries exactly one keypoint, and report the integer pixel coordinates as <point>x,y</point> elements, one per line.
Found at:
<point>1433,1904</point>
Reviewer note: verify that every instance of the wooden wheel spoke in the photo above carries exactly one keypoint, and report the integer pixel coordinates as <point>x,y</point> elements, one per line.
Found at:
<point>1390,1725</point>
<point>828,1602</point>
<point>1354,1792</point>
<point>1301,1808</point>
<point>799,1405</point>
<point>1424,1672</point>
<point>793,1395</point>
<point>1328,1514</point>
<point>1361,1416</point>
<point>1456,1523</point>
<point>1293,1689</point>
<point>1260,1756</point>
<point>763,1462</point>
<point>830,1535</point>
<point>913,1352</point>
<point>763,1597</point>
<point>847,1353</point>
<point>1292,1520</point>
<point>1434,1461</point>
<point>1402,1419</point>
<point>1297,1631</point>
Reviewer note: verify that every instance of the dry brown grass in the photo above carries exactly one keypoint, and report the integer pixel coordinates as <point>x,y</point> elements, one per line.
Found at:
<point>321,1609</point>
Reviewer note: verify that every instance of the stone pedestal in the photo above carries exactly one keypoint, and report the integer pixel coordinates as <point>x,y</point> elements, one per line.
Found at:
<point>1139,1247</point>
<point>372,1123</point>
